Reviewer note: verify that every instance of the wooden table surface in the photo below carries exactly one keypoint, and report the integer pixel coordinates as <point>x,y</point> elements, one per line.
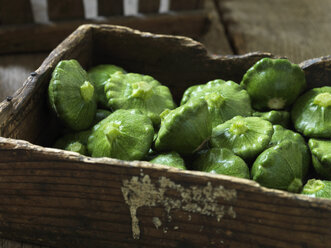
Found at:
<point>296,29</point>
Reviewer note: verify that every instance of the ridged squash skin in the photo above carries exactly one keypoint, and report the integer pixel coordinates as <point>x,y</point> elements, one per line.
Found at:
<point>172,159</point>
<point>246,137</point>
<point>282,134</point>
<point>184,129</point>
<point>280,167</point>
<point>273,83</point>
<point>221,161</point>
<point>225,99</point>
<point>321,156</point>
<point>311,113</point>
<point>317,188</point>
<point>137,91</point>
<point>124,134</point>
<point>72,96</point>
<point>99,75</point>
<point>276,117</point>
<point>75,142</point>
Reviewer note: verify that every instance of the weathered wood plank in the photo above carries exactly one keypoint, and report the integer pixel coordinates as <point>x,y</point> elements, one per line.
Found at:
<point>182,5</point>
<point>65,9</point>
<point>298,29</point>
<point>149,6</point>
<point>110,7</point>
<point>65,202</point>
<point>15,12</point>
<point>47,36</point>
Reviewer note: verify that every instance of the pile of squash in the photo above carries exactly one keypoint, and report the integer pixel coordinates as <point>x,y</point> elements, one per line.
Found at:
<point>268,128</point>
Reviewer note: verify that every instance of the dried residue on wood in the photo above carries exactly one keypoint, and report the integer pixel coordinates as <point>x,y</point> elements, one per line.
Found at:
<point>142,192</point>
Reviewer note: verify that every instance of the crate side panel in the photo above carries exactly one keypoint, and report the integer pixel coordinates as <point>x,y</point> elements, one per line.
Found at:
<point>71,200</point>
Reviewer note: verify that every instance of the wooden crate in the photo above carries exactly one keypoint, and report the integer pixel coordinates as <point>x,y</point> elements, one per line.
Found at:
<point>62,199</point>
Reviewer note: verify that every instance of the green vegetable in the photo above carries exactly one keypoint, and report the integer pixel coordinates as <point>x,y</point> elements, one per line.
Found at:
<point>317,188</point>
<point>247,137</point>
<point>311,113</point>
<point>75,142</point>
<point>273,83</point>
<point>221,161</point>
<point>276,117</point>
<point>99,75</point>
<point>280,167</point>
<point>225,99</point>
<point>171,159</point>
<point>321,155</point>
<point>282,134</point>
<point>71,95</point>
<point>136,91</point>
<point>124,134</point>
<point>184,129</point>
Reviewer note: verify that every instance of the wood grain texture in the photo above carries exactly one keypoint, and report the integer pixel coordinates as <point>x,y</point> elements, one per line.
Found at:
<point>61,199</point>
<point>15,12</point>
<point>298,29</point>
<point>148,6</point>
<point>110,7</point>
<point>59,10</point>
<point>45,37</point>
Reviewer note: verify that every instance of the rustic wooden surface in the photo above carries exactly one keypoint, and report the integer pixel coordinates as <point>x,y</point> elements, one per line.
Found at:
<point>38,182</point>
<point>297,29</point>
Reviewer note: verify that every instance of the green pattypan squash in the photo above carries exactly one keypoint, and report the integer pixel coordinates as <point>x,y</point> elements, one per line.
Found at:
<point>184,129</point>
<point>273,83</point>
<point>124,134</point>
<point>221,161</point>
<point>75,142</point>
<point>71,95</point>
<point>317,188</point>
<point>225,99</point>
<point>172,159</point>
<point>99,75</point>
<point>247,137</point>
<point>136,91</point>
<point>276,117</point>
<point>282,134</point>
<point>311,113</point>
<point>321,156</point>
<point>280,167</point>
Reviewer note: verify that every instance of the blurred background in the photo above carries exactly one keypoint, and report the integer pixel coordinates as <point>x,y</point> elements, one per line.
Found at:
<point>296,29</point>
